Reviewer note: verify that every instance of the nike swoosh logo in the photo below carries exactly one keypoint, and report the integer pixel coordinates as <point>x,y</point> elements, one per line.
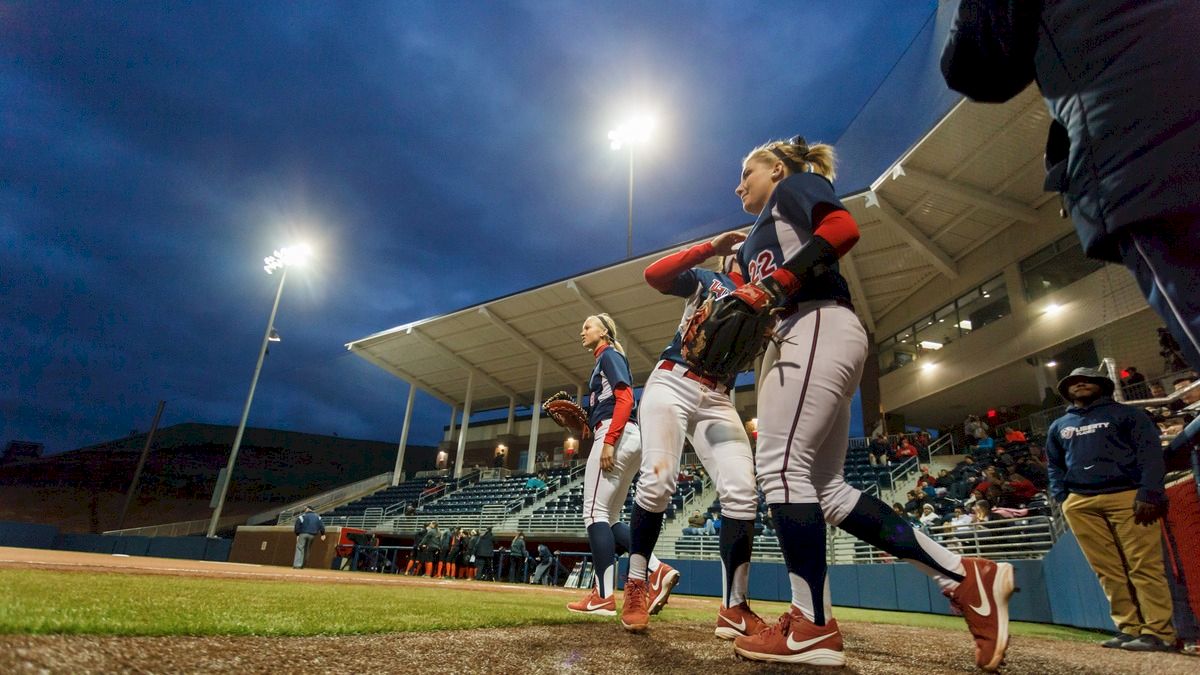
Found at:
<point>797,646</point>
<point>985,608</point>
<point>591,607</point>
<point>740,625</point>
<point>1088,467</point>
<point>656,584</point>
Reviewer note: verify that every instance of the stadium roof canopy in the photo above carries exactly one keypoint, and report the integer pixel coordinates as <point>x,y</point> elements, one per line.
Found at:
<point>978,171</point>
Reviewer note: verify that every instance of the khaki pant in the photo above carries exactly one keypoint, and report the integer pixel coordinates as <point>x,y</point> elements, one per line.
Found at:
<point>1127,559</point>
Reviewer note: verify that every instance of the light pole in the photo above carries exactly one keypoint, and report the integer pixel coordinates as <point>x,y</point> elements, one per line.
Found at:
<point>281,260</point>
<point>636,130</point>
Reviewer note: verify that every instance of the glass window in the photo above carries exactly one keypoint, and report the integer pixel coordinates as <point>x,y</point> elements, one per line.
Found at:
<point>929,334</point>
<point>1056,266</point>
<point>982,306</point>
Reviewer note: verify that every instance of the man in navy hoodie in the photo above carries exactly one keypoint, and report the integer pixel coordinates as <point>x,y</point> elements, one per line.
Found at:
<point>1106,469</point>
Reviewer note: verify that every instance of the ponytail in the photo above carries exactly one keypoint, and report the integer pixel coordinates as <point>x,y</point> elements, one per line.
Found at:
<point>798,156</point>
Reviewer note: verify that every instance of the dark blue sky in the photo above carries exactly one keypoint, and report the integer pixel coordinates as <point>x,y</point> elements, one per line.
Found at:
<point>437,154</point>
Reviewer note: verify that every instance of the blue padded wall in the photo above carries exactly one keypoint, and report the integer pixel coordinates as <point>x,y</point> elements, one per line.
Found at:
<point>27,535</point>
<point>1076,598</point>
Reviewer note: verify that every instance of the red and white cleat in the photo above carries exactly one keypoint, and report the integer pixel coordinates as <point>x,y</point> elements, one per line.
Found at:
<point>738,621</point>
<point>795,640</point>
<point>660,583</point>
<point>635,617</point>
<point>982,598</point>
<point>592,603</point>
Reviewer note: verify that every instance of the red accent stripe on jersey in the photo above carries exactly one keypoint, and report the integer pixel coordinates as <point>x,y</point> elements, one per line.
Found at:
<point>800,406</point>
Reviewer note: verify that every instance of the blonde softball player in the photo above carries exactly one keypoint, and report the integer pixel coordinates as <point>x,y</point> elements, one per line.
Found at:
<point>615,457</point>
<point>679,403</point>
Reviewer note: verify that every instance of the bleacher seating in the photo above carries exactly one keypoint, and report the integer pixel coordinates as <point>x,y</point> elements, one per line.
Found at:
<point>404,493</point>
<point>510,493</point>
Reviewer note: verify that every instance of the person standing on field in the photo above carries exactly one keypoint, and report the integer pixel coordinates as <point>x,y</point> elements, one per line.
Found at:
<point>308,526</point>
<point>1106,468</point>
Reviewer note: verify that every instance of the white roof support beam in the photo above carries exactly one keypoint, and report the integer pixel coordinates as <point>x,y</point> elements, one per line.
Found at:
<point>912,235</point>
<point>856,289</point>
<point>965,193</point>
<point>404,375</point>
<point>528,345</point>
<point>462,363</point>
<point>627,339</point>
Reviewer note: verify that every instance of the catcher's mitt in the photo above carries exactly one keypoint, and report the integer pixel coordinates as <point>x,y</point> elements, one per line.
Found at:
<point>567,414</point>
<point>724,337</point>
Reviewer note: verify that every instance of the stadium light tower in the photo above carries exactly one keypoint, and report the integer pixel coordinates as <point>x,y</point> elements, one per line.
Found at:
<point>631,133</point>
<point>280,261</point>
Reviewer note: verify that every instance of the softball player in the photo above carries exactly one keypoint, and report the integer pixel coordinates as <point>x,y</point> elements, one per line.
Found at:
<point>615,457</point>
<point>809,376</point>
<point>678,403</point>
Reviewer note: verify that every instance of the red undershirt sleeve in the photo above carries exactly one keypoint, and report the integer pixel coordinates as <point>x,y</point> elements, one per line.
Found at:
<point>622,406</point>
<point>835,226</point>
<point>662,272</point>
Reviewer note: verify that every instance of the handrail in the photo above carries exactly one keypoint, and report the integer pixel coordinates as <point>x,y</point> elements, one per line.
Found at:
<point>183,528</point>
<point>324,500</point>
<point>1029,537</point>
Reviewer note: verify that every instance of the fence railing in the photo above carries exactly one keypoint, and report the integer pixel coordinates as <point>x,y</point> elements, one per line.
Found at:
<point>184,528</point>
<point>335,497</point>
<point>1009,539</point>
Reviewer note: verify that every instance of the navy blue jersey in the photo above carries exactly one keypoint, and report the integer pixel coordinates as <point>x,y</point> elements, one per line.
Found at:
<point>697,285</point>
<point>611,369</point>
<point>784,228</point>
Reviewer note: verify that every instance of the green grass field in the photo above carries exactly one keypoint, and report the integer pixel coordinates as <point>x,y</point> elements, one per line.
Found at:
<point>48,602</point>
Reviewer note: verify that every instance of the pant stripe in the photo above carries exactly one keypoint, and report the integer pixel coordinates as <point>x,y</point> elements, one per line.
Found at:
<point>799,407</point>
<point>1180,319</point>
<point>595,497</point>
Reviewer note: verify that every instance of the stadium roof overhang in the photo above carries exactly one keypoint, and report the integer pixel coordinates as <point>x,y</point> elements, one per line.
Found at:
<point>978,171</point>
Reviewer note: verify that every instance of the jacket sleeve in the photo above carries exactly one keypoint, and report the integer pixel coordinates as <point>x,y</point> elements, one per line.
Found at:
<point>1145,436</point>
<point>1055,465</point>
<point>621,410</point>
<point>989,54</point>
<point>672,274</point>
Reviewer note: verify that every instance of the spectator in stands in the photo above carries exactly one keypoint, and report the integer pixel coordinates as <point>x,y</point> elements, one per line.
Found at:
<point>699,525</point>
<point>929,517</point>
<point>1020,487</point>
<point>535,483</point>
<point>485,550</point>
<point>1157,390</point>
<point>878,450</point>
<point>1033,470</point>
<point>916,500</point>
<point>1106,469</point>
<point>925,479</point>
<point>1134,385</point>
<point>981,512</point>
<point>943,481</point>
<point>517,555</point>
<point>1050,399</point>
<point>905,449</point>
<point>1012,435</point>
<point>308,526</point>
<point>1190,398</point>
<point>975,429</point>
<point>410,509</point>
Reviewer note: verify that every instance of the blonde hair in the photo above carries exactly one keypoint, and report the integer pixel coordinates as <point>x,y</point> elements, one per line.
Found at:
<point>610,330</point>
<point>797,156</point>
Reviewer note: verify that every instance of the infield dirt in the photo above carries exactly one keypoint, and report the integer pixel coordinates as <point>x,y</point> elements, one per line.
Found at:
<point>677,647</point>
